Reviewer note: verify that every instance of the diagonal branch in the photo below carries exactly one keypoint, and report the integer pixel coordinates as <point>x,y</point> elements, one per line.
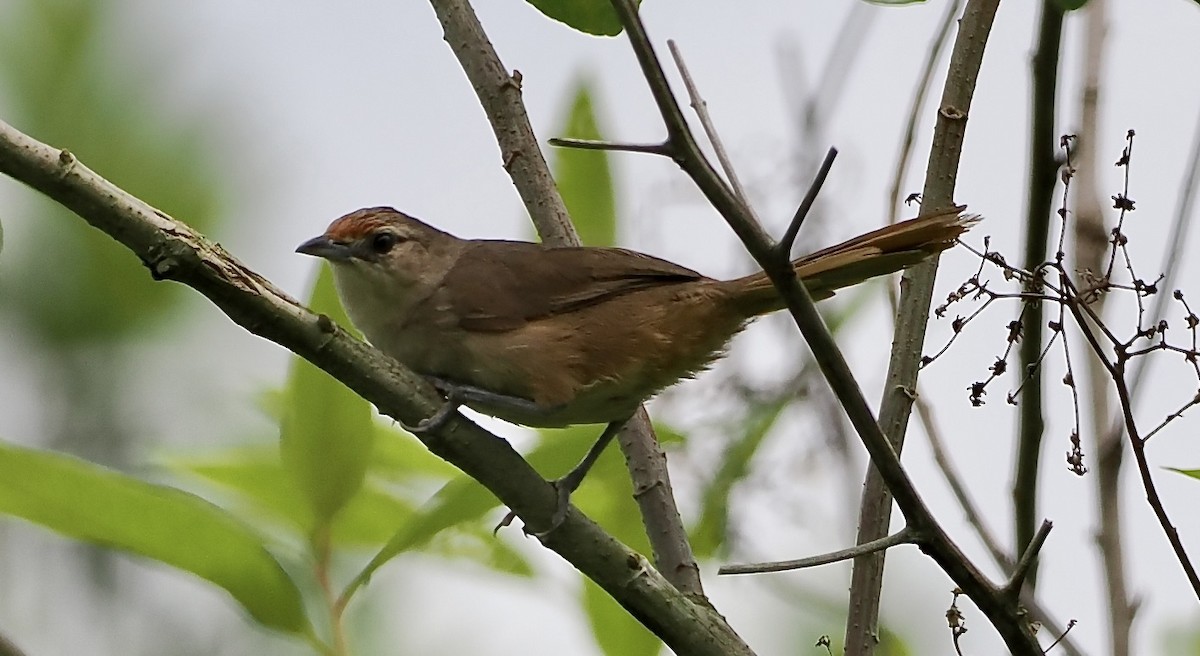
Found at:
<point>500,95</point>
<point>173,251</point>
<point>947,145</point>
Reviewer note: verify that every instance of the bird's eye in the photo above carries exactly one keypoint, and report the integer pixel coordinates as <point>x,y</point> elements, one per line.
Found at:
<point>383,242</point>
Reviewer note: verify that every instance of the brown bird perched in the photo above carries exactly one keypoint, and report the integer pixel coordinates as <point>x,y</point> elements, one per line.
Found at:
<point>544,336</point>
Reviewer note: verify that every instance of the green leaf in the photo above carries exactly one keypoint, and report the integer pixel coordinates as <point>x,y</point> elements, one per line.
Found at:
<point>480,546</point>
<point>1194,473</point>
<point>591,16</point>
<point>327,434</point>
<point>584,177</point>
<point>1070,5</point>
<point>711,530</point>
<point>606,495</point>
<point>616,631</point>
<point>257,477</point>
<point>82,93</point>
<point>97,505</point>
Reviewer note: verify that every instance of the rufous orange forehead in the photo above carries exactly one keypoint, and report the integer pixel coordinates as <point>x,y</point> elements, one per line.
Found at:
<point>359,224</point>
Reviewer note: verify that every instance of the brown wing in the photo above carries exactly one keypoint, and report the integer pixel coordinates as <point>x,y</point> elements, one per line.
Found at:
<point>501,285</point>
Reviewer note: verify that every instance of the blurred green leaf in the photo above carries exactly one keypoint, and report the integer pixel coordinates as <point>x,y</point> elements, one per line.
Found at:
<point>327,434</point>
<point>591,16</point>
<point>480,546</point>
<point>1070,5</point>
<point>104,507</point>
<point>73,285</point>
<point>401,459</point>
<point>616,631</point>
<point>712,529</point>
<point>1181,637</point>
<point>606,495</point>
<point>257,477</point>
<point>1194,473</point>
<point>584,177</point>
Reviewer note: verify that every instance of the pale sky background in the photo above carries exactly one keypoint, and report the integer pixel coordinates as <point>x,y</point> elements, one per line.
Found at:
<point>328,107</point>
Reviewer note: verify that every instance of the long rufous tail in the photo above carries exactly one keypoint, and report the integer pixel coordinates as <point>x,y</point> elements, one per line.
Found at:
<point>880,252</point>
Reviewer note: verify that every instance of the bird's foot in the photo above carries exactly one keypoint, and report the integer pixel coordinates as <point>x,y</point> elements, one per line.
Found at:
<point>563,488</point>
<point>455,397</point>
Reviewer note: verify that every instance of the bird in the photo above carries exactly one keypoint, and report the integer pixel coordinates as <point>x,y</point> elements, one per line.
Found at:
<point>546,336</point>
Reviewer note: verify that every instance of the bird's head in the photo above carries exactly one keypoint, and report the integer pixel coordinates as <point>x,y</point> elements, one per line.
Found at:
<point>384,262</point>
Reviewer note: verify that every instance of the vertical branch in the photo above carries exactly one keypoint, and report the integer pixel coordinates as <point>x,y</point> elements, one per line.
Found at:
<point>916,296</point>
<point>904,157</point>
<point>1042,168</point>
<point>500,94</point>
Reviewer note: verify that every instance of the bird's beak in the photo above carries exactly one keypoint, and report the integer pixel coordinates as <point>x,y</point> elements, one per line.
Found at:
<point>326,248</point>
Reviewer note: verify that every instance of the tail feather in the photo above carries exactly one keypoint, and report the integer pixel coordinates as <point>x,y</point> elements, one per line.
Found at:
<point>883,251</point>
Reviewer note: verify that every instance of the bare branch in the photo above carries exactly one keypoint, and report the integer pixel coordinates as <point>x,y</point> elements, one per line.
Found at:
<point>1017,580</point>
<point>909,336</point>
<point>591,144</point>
<point>500,95</point>
<point>784,248</point>
<point>903,536</point>
<point>701,108</point>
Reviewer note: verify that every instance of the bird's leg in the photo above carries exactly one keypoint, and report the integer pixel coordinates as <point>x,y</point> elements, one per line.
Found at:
<point>567,484</point>
<point>459,395</point>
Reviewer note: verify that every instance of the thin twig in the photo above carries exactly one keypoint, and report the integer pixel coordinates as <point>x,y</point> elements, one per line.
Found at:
<point>591,144</point>
<point>1176,243</point>
<point>784,248</point>
<point>903,536</point>
<point>1059,639</point>
<point>1016,581</point>
<point>710,130</point>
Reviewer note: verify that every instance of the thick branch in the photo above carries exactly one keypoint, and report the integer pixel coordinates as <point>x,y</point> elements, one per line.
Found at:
<point>172,250</point>
<point>500,95</point>
<point>916,293</point>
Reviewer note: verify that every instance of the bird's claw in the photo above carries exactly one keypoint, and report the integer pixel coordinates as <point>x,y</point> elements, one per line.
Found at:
<point>563,488</point>
<point>438,419</point>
